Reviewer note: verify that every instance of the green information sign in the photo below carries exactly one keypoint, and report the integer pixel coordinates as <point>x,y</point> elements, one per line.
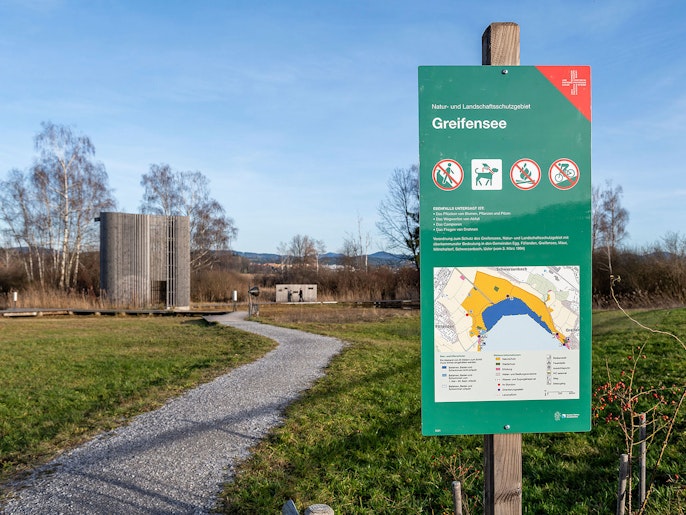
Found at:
<point>505,238</point>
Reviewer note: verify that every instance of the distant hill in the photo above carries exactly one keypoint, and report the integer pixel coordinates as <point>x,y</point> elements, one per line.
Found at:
<point>257,257</point>
<point>330,258</point>
<point>386,258</point>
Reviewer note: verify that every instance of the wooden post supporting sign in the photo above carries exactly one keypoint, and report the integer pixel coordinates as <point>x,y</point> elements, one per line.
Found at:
<point>503,474</point>
<point>500,45</point>
<point>502,452</point>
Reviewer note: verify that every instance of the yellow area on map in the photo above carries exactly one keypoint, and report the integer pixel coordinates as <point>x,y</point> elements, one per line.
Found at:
<point>489,290</point>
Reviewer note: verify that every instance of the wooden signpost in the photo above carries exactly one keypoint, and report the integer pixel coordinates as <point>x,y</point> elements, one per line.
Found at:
<point>505,204</point>
<point>502,452</point>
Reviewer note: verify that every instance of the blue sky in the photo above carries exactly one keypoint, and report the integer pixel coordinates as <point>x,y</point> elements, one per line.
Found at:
<point>298,111</point>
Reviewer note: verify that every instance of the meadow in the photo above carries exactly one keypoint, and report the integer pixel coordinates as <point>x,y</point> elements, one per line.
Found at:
<point>353,441</point>
<point>63,379</point>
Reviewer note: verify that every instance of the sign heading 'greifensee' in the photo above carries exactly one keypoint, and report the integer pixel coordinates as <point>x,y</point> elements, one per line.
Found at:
<point>465,123</point>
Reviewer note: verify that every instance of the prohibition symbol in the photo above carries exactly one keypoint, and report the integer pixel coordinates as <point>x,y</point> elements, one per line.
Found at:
<point>448,174</point>
<point>564,174</point>
<point>525,174</point>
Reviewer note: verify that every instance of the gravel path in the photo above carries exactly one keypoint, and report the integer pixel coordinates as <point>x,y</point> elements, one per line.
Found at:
<point>175,459</point>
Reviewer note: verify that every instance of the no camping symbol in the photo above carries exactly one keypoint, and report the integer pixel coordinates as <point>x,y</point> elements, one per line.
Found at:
<point>525,174</point>
<point>447,174</point>
<point>564,174</point>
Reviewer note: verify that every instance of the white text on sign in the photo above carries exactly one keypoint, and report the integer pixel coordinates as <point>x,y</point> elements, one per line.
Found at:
<point>464,123</point>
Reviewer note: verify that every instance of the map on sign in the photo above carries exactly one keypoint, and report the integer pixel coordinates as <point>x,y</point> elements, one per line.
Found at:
<point>478,309</point>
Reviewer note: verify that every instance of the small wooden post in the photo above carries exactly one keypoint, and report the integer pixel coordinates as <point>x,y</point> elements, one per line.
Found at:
<point>502,453</point>
<point>642,434</point>
<point>289,508</point>
<point>457,497</point>
<point>621,483</point>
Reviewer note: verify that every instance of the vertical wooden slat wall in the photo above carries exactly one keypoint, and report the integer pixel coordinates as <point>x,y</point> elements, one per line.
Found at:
<point>145,260</point>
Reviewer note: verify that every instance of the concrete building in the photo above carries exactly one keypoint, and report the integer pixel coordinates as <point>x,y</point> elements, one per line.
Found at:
<point>145,260</point>
<point>296,293</point>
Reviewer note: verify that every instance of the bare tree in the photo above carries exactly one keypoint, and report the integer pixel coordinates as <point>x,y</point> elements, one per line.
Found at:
<point>173,193</point>
<point>50,209</point>
<point>673,244</point>
<point>302,250</point>
<point>355,247</point>
<point>399,212</point>
<point>17,212</point>
<point>163,193</point>
<point>609,219</point>
<point>597,219</point>
<point>351,251</point>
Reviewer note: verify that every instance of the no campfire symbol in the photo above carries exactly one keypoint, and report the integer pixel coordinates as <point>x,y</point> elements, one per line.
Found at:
<point>525,174</point>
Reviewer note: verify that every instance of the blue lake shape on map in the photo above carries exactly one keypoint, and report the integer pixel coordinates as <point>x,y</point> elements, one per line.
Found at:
<point>508,307</point>
<point>514,333</point>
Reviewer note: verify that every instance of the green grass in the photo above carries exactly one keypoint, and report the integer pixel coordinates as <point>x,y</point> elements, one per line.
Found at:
<point>63,379</point>
<point>354,440</point>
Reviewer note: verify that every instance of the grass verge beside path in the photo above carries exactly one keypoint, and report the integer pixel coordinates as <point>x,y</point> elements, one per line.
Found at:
<point>63,380</point>
<point>353,441</point>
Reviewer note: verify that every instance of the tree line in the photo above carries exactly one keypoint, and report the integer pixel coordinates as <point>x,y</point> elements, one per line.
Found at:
<point>47,210</point>
<point>50,241</point>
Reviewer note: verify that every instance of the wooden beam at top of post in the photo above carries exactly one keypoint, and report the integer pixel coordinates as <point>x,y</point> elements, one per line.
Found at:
<point>500,44</point>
